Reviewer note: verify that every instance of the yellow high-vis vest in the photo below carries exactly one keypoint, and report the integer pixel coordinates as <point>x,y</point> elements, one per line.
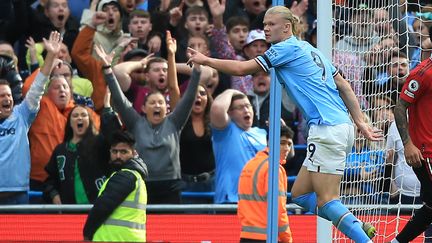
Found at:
<point>128,221</point>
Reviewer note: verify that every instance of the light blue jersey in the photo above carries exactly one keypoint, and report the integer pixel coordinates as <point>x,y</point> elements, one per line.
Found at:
<point>308,78</point>
<point>233,148</point>
<point>15,163</point>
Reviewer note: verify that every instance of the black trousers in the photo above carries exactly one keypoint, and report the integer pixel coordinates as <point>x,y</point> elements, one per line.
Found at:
<point>424,174</point>
<point>164,192</point>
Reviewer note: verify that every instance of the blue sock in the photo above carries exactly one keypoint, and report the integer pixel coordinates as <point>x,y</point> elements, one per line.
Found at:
<point>308,201</point>
<point>344,220</point>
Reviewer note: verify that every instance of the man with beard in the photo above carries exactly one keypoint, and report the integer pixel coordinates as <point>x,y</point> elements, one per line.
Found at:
<point>119,213</point>
<point>397,72</point>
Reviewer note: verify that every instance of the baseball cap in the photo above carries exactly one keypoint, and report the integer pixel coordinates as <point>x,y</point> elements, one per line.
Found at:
<point>102,3</point>
<point>255,35</point>
<point>137,52</point>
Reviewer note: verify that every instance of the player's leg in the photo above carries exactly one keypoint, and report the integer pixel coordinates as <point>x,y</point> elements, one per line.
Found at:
<point>330,207</point>
<point>422,217</point>
<point>302,191</point>
<point>328,147</point>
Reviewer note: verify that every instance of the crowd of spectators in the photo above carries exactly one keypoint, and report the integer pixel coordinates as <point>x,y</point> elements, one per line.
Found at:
<point>195,128</point>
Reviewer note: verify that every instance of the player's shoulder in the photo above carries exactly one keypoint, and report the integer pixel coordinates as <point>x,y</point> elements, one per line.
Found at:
<point>423,70</point>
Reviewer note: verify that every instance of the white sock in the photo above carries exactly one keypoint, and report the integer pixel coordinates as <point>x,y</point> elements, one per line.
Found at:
<point>394,241</point>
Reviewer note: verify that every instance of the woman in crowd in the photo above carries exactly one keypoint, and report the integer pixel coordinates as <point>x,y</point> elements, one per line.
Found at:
<point>157,133</point>
<point>196,151</point>
<point>78,166</point>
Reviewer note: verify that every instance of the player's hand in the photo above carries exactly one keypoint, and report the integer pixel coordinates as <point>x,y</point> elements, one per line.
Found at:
<point>371,133</point>
<point>413,155</point>
<point>195,57</point>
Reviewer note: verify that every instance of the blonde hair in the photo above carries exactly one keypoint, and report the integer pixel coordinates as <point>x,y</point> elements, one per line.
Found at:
<point>286,13</point>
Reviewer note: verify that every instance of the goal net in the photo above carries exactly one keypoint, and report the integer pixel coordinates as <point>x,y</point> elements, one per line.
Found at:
<point>375,44</point>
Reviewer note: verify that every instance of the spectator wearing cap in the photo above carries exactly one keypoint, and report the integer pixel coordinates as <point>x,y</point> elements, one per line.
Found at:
<point>110,32</point>
<point>255,44</point>
<point>131,75</point>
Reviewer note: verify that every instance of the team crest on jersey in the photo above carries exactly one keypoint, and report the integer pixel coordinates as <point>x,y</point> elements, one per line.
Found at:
<point>413,85</point>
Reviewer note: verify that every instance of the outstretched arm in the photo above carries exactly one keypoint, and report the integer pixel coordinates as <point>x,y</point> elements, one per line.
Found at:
<point>52,46</point>
<point>120,102</point>
<point>412,153</point>
<point>232,67</point>
<point>174,90</point>
<point>350,100</point>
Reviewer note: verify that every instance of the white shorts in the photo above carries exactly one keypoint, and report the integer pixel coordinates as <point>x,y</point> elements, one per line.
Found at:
<point>328,147</point>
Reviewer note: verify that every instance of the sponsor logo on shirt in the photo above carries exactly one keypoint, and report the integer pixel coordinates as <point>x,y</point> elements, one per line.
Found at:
<point>7,131</point>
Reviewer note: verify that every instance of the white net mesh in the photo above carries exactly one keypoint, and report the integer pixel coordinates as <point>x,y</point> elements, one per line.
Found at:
<point>376,43</point>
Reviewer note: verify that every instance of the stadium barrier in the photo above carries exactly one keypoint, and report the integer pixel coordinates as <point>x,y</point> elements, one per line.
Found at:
<point>65,223</point>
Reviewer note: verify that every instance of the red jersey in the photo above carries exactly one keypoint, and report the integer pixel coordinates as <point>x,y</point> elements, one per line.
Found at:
<point>417,91</point>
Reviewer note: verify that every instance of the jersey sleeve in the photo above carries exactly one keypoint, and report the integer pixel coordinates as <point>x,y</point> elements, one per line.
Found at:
<point>277,55</point>
<point>413,89</point>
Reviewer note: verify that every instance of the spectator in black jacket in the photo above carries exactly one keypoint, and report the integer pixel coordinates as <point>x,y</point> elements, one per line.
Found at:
<point>78,168</point>
<point>119,213</point>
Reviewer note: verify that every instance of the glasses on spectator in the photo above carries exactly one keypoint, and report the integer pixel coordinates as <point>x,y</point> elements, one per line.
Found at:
<point>241,107</point>
<point>121,151</point>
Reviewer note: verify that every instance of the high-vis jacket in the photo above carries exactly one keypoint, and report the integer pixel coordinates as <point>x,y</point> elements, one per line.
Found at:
<point>252,204</point>
<point>128,221</point>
